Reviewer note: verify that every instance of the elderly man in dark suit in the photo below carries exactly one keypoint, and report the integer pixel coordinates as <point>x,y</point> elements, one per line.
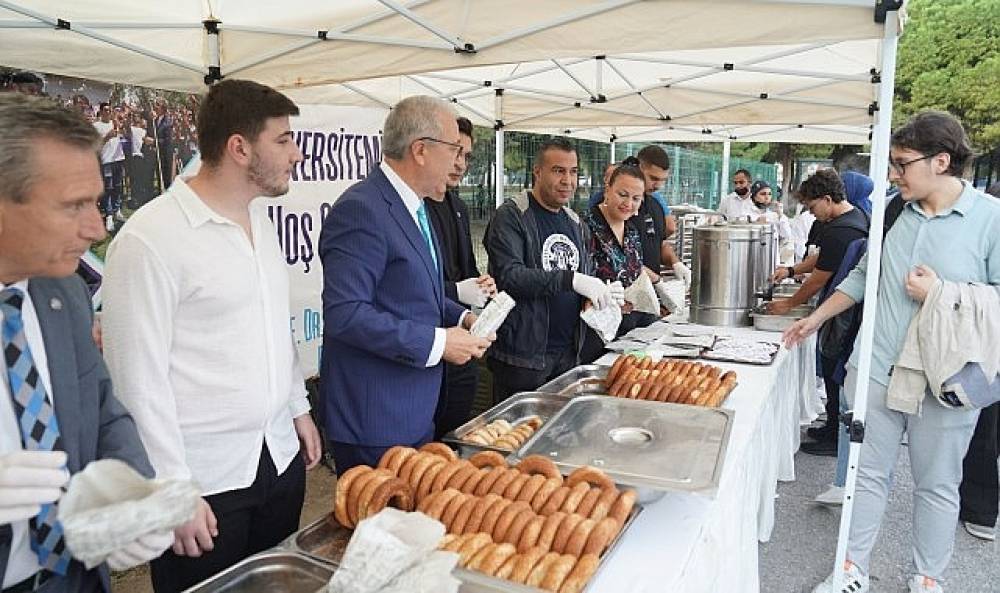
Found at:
<point>387,322</point>
<point>57,411</point>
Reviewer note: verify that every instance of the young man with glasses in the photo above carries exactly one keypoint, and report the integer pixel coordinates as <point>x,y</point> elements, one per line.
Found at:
<point>388,324</point>
<point>947,230</point>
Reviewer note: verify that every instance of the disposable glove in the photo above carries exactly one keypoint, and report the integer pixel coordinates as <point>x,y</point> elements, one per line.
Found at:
<point>471,293</point>
<point>142,550</point>
<point>600,294</point>
<point>29,479</point>
<point>682,272</point>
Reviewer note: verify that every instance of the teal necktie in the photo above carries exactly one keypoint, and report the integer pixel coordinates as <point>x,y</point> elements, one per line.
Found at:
<point>425,230</point>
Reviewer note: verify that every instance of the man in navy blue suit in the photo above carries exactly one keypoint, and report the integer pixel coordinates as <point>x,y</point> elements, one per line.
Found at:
<point>387,322</point>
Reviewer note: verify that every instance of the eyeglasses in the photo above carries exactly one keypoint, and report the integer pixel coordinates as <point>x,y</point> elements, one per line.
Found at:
<point>459,149</point>
<point>900,168</point>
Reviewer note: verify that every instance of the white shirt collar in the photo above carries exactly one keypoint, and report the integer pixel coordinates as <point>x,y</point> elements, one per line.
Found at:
<point>410,198</point>
<point>21,284</point>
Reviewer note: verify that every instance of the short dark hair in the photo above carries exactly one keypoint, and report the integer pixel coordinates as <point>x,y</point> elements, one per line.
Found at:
<point>464,126</point>
<point>237,107</point>
<point>744,172</point>
<point>934,132</point>
<point>628,171</point>
<point>555,143</point>
<point>824,182</point>
<point>654,155</point>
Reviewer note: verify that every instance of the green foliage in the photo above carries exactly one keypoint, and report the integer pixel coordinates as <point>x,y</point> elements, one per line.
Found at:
<point>949,59</point>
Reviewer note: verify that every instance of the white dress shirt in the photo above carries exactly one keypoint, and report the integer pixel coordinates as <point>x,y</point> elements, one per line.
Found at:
<point>111,151</point>
<point>22,562</point>
<point>737,208</point>
<point>412,202</point>
<point>198,339</point>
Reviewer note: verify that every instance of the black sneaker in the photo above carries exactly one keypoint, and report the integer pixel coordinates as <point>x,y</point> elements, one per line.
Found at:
<point>822,448</point>
<point>822,433</point>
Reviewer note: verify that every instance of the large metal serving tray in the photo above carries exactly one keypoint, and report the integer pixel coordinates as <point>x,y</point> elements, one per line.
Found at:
<point>650,446</point>
<point>270,572</point>
<point>582,380</point>
<point>515,409</point>
<point>326,540</point>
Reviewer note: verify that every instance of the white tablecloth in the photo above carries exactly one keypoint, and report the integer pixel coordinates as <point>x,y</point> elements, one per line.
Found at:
<point>692,543</point>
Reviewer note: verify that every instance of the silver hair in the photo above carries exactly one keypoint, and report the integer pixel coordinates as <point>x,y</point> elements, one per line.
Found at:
<point>25,119</point>
<point>413,117</point>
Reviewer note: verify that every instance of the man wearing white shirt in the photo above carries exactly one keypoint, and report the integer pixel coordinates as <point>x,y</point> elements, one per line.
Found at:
<point>737,206</point>
<point>57,409</point>
<point>197,336</point>
<point>112,164</point>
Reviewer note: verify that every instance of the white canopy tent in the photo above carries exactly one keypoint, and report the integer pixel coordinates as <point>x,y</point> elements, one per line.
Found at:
<point>750,70</point>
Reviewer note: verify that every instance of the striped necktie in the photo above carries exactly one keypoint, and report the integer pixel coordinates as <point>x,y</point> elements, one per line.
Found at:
<point>39,428</point>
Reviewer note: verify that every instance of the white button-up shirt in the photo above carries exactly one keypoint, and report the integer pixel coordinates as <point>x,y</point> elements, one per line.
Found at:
<point>737,208</point>
<point>198,339</point>
<point>22,562</point>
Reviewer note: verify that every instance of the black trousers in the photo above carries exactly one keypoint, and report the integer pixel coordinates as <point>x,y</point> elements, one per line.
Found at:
<point>980,490</point>
<point>509,379</point>
<point>455,402</point>
<point>348,455</point>
<point>828,367</point>
<point>251,520</point>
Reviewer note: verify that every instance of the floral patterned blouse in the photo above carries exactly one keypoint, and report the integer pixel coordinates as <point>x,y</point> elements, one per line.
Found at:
<point>614,260</point>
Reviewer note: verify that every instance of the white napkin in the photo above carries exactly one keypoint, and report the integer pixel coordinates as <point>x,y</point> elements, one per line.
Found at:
<point>605,322</point>
<point>393,550</point>
<point>109,505</point>
<point>642,296</point>
<point>493,316</point>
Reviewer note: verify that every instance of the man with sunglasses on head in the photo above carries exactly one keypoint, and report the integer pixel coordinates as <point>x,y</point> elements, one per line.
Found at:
<point>388,324</point>
<point>950,231</point>
<point>462,282</point>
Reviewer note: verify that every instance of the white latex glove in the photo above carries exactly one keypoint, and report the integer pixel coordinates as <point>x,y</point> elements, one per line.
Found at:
<point>665,299</point>
<point>599,293</point>
<point>682,272</point>
<point>147,547</point>
<point>470,293</point>
<point>29,479</point>
<point>617,293</point>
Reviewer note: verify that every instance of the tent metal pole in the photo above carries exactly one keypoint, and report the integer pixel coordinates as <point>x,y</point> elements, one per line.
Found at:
<point>421,22</point>
<point>437,92</point>
<point>499,153</point>
<point>86,32</point>
<point>879,166</point>
<point>578,82</point>
<point>365,94</point>
<point>621,75</point>
<point>268,56</point>
<point>599,74</point>
<point>541,70</point>
<point>724,181</point>
<point>214,55</point>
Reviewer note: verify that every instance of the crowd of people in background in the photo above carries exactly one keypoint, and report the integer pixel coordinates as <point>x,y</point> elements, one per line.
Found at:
<point>145,146</point>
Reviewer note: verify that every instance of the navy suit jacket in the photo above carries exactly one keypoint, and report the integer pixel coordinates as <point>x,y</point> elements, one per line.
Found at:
<point>93,424</point>
<point>382,299</point>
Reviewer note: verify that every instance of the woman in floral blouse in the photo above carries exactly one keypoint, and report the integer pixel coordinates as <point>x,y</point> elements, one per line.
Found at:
<point>615,246</point>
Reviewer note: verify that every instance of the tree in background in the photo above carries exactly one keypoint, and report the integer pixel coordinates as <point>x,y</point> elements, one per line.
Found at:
<point>949,59</point>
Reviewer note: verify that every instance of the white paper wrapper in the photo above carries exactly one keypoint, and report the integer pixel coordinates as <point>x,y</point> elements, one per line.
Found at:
<point>109,505</point>
<point>642,296</point>
<point>384,547</point>
<point>605,322</point>
<point>493,316</point>
<point>431,575</point>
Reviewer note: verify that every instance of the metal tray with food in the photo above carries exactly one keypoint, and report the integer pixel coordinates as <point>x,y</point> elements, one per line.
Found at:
<point>505,427</point>
<point>768,322</point>
<point>326,540</point>
<point>270,572</point>
<point>582,380</point>
<point>652,447</point>
<point>742,351</point>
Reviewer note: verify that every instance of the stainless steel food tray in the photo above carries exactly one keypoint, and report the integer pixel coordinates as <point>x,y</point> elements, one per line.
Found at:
<point>650,446</point>
<point>515,409</point>
<point>270,572</point>
<point>711,355</point>
<point>326,540</point>
<point>764,321</point>
<point>582,380</point>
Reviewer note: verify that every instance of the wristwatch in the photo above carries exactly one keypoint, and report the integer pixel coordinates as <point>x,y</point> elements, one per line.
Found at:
<point>791,271</point>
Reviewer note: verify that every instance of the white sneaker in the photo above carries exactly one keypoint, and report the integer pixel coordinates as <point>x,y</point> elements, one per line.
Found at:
<point>981,531</point>
<point>853,581</point>
<point>919,585</point>
<point>833,497</point>
<point>109,223</point>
